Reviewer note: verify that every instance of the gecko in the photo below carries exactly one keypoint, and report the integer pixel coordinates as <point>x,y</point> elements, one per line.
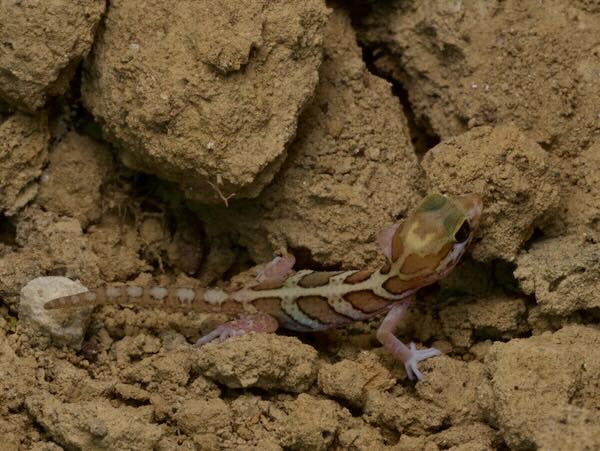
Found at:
<point>420,251</point>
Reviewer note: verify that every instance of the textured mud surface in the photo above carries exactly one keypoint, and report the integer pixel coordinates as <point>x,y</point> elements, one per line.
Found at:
<point>186,142</point>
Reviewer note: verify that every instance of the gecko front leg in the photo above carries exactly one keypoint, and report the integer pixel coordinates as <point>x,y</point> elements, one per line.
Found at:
<point>409,355</point>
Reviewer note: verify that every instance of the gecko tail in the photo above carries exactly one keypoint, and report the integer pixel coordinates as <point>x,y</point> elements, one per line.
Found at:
<point>85,299</point>
<point>157,296</point>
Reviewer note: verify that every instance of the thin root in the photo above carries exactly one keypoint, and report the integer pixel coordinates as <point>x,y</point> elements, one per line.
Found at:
<point>217,190</point>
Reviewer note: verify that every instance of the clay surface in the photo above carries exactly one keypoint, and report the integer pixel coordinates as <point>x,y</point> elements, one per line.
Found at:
<point>24,144</point>
<point>563,273</point>
<point>197,139</point>
<point>177,86</point>
<point>350,172</point>
<point>84,162</point>
<point>559,377</point>
<point>42,44</point>
<point>465,65</point>
<point>512,173</point>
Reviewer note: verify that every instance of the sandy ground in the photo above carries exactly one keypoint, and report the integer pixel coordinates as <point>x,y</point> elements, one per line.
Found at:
<point>185,142</point>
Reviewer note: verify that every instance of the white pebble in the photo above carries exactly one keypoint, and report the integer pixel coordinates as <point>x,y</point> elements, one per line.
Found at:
<point>65,326</point>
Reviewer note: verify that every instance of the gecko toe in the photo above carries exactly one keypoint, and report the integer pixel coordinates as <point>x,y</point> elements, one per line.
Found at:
<point>208,337</point>
<point>417,355</point>
<point>255,322</point>
<point>225,334</point>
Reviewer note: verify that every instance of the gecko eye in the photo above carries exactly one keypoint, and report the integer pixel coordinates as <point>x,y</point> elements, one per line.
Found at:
<point>463,233</point>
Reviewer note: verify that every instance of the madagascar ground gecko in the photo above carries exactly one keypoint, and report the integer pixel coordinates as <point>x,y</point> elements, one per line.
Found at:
<point>420,251</point>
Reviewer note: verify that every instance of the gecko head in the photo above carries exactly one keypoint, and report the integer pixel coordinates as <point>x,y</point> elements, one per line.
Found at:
<point>434,238</point>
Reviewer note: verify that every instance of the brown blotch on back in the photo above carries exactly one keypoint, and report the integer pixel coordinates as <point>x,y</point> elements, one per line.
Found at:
<point>317,308</point>
<point>359,276</point>
<point>272,306</point>
<point>268,285</point>
<point>395,285</point>
<point>415,263</point>
<point>366,301</point>
<point>317,279</point>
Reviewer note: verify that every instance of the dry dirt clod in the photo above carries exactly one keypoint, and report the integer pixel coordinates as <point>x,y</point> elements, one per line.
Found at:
<point>24,142</point>
<point>42,44</point>
<point>351,170</point>
<point>214,95</point>
<point>512,173</point>
<point>563,274</point>
<point>544,390</point>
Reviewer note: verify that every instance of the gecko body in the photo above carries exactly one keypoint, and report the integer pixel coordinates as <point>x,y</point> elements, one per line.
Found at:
<point>420,251</point>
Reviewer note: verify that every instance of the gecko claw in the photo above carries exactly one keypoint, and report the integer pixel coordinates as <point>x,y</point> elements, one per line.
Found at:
<point>417,355</point>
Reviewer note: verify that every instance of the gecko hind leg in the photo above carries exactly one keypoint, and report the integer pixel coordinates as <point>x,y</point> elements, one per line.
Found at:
<point>409,355</point>
<point>277,270</point>
<point>251,322</point>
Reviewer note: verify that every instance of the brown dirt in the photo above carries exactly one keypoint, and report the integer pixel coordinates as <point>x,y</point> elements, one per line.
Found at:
<point>314,129</point>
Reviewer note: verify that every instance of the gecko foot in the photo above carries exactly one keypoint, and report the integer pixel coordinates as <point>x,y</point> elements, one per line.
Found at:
<point>409,355</point>
<point>416,355</point>
<point>253,322</point>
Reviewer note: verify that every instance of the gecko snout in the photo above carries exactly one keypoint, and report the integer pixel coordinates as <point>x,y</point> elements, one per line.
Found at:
<point>472,206</point>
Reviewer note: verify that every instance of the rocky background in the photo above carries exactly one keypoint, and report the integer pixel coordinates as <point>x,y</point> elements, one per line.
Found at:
<point>186,141</point>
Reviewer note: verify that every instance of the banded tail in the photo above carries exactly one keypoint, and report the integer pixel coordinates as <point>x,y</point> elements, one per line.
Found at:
<point>174,298</point>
